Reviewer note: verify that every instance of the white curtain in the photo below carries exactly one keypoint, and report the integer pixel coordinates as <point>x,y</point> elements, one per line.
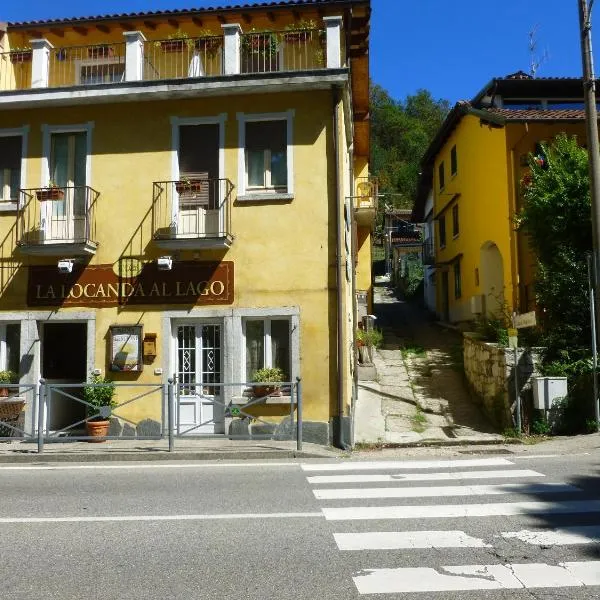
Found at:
<point>196,69</point>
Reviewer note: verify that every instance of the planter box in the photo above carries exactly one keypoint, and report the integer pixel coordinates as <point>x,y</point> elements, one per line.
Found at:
<point>21,56</point>
<point>546,390</point>
<point>209,45</point>
<point>50,194</point>
<point>173,45</point>
<point>101,52</point>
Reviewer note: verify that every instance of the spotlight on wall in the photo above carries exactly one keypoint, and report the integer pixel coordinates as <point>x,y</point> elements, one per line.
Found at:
<point>65,266</point>
<point>164,263</point>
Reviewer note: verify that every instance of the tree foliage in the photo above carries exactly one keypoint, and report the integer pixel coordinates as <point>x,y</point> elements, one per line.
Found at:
<point>401,131</point>
<point>557,218</point>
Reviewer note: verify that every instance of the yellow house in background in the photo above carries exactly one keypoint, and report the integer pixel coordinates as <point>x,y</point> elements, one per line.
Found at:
<point>185,195</point>
<point>473,171</point>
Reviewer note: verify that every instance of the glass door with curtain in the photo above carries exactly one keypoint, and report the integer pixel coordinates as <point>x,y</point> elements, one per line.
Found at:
<point>66,218</point>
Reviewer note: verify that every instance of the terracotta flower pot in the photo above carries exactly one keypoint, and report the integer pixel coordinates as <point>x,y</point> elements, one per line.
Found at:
<point>172,45</point>
<point>266,390</point>
<point>21,56</point>
<point>51,193</point>
<point>97,430</point>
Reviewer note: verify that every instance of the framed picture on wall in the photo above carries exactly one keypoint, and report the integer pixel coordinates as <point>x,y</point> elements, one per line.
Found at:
<point>126,348</point>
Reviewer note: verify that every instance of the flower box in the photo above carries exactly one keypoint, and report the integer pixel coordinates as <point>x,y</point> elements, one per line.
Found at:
<point>21,56</point>
<point>51,193</point>
<point>101,52</point>
<point>295,37</point>
<point>173,45</point>
<point>209,44</point>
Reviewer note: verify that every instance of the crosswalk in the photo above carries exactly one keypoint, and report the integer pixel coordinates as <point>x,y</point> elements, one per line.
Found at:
<point>447,526</point>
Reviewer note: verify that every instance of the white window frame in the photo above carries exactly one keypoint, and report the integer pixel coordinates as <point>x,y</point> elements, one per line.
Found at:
<point>268,357</point>
<point>266,193</point>
<point>96,62</point>
<point>3,352</point>
<point>48,130</point>
<point>8,203</point>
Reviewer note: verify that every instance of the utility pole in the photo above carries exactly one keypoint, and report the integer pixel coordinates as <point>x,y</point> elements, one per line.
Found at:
<point>591,118</point>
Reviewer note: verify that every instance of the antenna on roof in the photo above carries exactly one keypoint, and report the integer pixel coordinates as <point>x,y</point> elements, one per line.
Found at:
<point>535,61</point>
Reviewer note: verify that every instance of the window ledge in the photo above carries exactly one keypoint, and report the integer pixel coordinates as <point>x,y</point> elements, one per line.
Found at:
<point>8,206</point>
<point>265,197</point>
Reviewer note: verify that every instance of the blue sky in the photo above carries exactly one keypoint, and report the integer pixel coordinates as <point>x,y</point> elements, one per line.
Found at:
<point>451,47</point>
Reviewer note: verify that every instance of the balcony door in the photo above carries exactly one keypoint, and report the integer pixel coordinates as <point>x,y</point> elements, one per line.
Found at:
<point>197,206</point>
<point>65,218</point>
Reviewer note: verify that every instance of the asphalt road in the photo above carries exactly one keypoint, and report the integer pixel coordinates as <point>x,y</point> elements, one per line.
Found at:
<point>476,527</point>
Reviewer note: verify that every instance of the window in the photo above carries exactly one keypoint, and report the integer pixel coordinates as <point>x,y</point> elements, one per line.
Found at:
<point>266,155</point>
<point>457,290</point>
<point>10,167</point>
<point>455,220</point>
<point>267,345</point>
<point>453,161</point>
<point>441,175</point>
<point>442,228</point>
<point>106,72</point>
<point>10,342</point>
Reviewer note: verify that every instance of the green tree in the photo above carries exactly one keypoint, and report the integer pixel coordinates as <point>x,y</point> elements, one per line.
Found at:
<point>556,216</point>
<point>400,133</point>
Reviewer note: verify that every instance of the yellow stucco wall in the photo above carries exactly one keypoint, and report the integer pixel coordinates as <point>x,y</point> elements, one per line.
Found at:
<point>480,189</point>
<point>284,252</point>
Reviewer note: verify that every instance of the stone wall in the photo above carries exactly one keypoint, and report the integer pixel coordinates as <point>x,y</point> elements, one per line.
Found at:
<point>489,369</point>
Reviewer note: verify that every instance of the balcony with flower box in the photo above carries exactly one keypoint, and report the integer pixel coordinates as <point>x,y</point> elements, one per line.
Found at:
<point>57,221</point>
<point>365,201</point>
<point>192,213</point>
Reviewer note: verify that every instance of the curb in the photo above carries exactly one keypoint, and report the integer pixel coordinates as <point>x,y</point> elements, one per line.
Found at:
<point>158,455</point>
<point>440,444</point>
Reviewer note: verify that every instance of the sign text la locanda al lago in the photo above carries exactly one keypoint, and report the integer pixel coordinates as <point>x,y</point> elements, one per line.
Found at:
<point>187,283</point>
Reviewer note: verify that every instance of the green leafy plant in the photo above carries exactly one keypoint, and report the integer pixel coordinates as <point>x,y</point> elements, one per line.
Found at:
<point>268,375</point>
<point>8,377</point>
<point>98,393</point>
<point>370,338</point>
<point>262,43</point>
<point>411,349</point>
<point>540,427</point>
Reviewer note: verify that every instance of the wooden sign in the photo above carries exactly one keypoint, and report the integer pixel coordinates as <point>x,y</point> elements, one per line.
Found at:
<point>191,283</point>
<point>525,320</point>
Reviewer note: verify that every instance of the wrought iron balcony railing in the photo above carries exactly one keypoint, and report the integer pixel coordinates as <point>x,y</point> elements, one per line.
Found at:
<point>48,219</point>
<point>192,212</point>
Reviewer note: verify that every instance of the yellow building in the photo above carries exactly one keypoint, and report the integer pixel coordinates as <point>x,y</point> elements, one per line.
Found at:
<point>473,169</point>
<point>186,195</point>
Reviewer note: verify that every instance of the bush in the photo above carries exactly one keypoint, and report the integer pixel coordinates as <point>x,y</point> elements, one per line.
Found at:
<point>99,394</point>
<point>493,329</point>
<point>268,375</point>
<point>371,337</point>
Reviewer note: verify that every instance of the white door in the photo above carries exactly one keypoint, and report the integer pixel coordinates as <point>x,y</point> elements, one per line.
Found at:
<point>199,362</point>
<point>65,219</point>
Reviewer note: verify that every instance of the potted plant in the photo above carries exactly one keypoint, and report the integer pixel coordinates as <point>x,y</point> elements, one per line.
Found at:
<point>101,51</point>
<point>299,31</point>
<point>99,395</point>
<point>7,377</point>
<point>20,55</point>
<point>366,340</point>
<point>176,42</point>
<point>51,192</point>
<point>208,42</point>
<point>263,43</point>
<point>189,186</point>
<point>267,375</point>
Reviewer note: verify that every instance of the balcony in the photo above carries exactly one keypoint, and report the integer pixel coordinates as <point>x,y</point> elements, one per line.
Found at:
<point>183,59</point>
<point>193,213</point>
<point>365,201</point>
<point>57,221</point>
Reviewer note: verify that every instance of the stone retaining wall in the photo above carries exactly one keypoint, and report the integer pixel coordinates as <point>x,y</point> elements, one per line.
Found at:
<point>489,369</point>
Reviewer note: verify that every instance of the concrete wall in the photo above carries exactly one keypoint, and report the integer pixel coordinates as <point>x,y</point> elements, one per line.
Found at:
<point>489,369</point>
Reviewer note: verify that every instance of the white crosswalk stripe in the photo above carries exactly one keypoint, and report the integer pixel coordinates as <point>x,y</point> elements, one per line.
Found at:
<point>398,530</point>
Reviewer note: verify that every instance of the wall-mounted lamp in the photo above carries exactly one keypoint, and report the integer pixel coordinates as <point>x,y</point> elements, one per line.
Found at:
<point>65,266</point>
<point>164,263</point>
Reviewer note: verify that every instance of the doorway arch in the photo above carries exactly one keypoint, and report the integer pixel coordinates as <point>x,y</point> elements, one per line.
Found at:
<point>492,278</point>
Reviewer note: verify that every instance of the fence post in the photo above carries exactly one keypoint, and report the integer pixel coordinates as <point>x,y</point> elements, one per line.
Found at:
<point>40,415</point>
<point>299,415</point>
<point>170,415</point>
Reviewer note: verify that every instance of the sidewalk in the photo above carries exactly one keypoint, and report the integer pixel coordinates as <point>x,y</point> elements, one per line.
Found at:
<point>420,394</point>
<point>152,450</point>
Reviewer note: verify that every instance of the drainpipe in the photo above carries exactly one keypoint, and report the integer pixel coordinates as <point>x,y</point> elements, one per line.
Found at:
<point>339,275</point>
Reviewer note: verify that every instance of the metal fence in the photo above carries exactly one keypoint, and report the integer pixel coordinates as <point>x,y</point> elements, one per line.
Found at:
<point>183,57</point>
<point>86,65</point>
<point>139,411</point>
<point>15,70</point>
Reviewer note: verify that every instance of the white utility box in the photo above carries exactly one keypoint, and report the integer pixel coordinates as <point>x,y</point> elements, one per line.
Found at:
<point>546,390</point>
